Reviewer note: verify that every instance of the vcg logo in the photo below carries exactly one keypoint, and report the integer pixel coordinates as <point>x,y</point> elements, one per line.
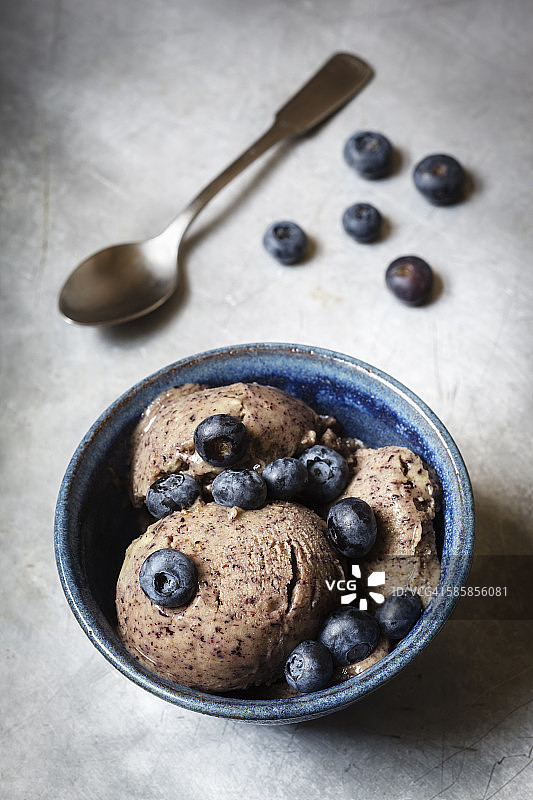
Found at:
<point>349,587</point>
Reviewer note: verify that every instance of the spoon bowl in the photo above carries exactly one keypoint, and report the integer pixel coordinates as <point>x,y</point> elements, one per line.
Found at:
<point>126,281</point>
<point>120,283</point>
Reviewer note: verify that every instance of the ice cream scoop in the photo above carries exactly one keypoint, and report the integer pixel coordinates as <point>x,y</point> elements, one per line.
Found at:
<point>264,579</point>
<point>278,424</point>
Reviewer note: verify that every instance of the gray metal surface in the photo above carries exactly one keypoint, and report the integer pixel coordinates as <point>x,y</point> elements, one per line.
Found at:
<point>126,281</point>
<point>99,100</point>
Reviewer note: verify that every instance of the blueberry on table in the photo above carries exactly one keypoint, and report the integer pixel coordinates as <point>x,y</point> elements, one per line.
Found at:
<point>327,473</point>
<point>244,488</point>
<point>369,153</point>
<point>171,493</point>
<point>350,635</point>
<point>286,241</point>
<point>168,578</point>
<point>352,527</point>
<point>285,478</point>
<point>221,440</point>
<point>440,178</point>
<point>309,667</point>
<point>362,222</point>
<point>410,279</point>
<point>397,615</point>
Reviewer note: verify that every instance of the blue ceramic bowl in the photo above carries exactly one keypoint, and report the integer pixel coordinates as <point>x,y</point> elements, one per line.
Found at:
<point>93,523</point>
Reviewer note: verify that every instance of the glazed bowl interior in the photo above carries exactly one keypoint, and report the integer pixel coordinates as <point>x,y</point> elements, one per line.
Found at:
<point>95,521</point>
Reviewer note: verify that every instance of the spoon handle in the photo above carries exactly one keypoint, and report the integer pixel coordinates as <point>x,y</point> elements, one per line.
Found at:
<point>328,90</point>
<point>341,77</point>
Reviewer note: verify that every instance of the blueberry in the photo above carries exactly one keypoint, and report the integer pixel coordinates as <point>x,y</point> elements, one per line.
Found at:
<point>285,478</point>
<point>327,473</point>
<point>350,635</point>
<point>440,178</point>
<point>410,279</point>
<point>397,615</point>
<point>309,667</point>
<point>370,153</point>
<point>352,527</point>
<point>169,578</point>
<point>171,493</point>
<point>244,488</point>
<point>221,440</point>
<point>286,241</point>
<point>362,222</point>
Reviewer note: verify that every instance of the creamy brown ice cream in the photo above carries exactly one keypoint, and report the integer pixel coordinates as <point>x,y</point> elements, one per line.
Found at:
<point>262,589</point>
<point>404,497</point>
<point>267,577</point>
<point>278,425</point>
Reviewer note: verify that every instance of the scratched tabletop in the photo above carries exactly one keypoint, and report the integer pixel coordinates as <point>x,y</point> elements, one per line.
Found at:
<point>113,116</point>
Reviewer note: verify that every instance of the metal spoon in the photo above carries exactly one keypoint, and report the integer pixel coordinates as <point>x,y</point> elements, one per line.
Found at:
<point>127,281</point>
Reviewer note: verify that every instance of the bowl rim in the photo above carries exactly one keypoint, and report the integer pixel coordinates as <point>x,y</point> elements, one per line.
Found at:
<point>294,709</point>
